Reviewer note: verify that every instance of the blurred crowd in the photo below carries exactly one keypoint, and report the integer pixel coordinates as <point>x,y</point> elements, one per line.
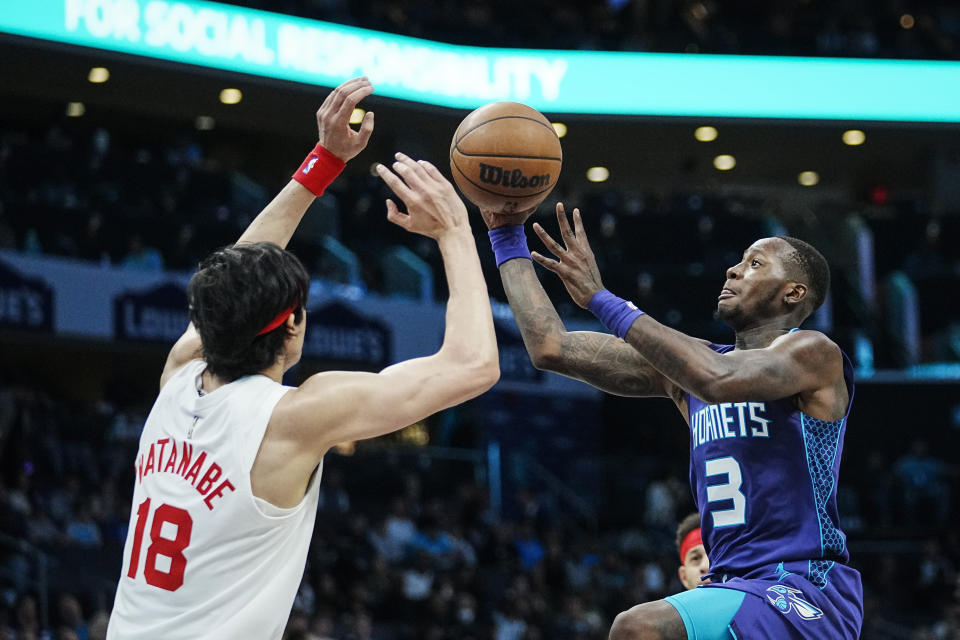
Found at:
<point>407,546</point>
<point>848,28</point>
<point>139,200</point>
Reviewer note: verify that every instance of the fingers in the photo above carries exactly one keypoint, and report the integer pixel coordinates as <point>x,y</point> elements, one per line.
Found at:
<point>395,216</point>
<point>393,181</point>
<point>351,100</point>
<point>578,225</point>
<point>565,231</point>
<point>432,171</point>
<point>550,243</point>
<point>413,173</point>
<point>336,98</point>
<point>366,129</point>
<point>546,263</point>
<point>409,179</point>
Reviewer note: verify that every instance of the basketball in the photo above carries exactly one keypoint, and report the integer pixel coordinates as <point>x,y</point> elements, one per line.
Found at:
<point>505,157</point>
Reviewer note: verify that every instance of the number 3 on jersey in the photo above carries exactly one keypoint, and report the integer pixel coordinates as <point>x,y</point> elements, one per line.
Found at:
<point>729,490</point>
<point>171,549</point>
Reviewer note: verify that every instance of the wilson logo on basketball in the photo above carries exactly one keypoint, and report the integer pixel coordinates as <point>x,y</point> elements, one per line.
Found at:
<point>490,174</point>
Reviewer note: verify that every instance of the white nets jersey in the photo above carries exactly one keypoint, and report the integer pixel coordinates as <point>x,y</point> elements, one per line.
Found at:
<point>204,558</point>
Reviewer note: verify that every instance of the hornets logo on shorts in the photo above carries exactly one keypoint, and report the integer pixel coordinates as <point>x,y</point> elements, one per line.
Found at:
<point>787,599</point>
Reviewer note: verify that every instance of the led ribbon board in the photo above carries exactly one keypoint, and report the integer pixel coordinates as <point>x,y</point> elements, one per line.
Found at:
<point>288,48</point>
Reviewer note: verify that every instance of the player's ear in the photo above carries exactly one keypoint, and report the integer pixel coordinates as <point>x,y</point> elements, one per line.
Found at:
<point>682,574</point>
<point>292,324</point>
<point>796,294</point>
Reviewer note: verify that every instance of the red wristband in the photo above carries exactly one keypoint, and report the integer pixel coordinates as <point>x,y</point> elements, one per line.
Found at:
<point>318,170</point>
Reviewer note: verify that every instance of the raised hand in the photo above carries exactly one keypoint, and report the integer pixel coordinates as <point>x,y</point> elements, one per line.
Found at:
<point>495,219</point>
<point>577,266</point>
<point>433,207</point>
<point>333,119</point>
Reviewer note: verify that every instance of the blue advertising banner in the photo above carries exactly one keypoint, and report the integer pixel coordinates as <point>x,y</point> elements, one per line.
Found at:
<point>158,314</point>
<point>25,303</point>
<point>338,333</point>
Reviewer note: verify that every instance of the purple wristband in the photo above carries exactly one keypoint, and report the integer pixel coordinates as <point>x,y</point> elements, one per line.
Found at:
<point>508,243</point>
<point>615,313</point>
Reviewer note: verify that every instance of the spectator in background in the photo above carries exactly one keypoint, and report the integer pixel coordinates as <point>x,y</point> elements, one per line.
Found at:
<point>97,629</point>
<point>92,245</point>
<point>661,504</point>
<point>529,548</point>
<point>18,498</point>
<point>433,540</point>
<point>466,613</point>
<point>142,257</point>
<point>323,626</point>
<point>185,255</point>
<point>399,528</point>
<point>611,575</point>
<point>391,549</point>
<point>508,623</point>
<point>654,579</point>
<point>82,530</point>
<point>27,622</point>
<point>362,628</point>
<point>333,497</point>
<point>418,579</point>
<point>71,617</point>
<point>41,530</point>
<point>463,551</point>
<point>579,564</point>
<point>936,574</point>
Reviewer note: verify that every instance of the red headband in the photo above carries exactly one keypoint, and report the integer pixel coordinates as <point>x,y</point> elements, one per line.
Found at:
<point>279,320</point>
<point>691,540</point>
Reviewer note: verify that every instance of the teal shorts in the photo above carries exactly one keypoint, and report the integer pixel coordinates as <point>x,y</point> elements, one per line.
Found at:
<point>707,613</point>
<point>774,604</point>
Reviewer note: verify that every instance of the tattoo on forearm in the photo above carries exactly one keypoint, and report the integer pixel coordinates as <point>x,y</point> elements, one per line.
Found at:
<point>598,359</point>
<point>607,363</point>
<point>661,354</point>
<point>532,309</point>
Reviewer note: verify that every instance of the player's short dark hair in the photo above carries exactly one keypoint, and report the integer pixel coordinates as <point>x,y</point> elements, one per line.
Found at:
<point>813,266</point>
<point>686,525</point>
<point>238,291</point>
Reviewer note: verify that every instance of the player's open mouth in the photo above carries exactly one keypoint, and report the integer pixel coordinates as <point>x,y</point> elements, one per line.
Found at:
<point>726,293</point>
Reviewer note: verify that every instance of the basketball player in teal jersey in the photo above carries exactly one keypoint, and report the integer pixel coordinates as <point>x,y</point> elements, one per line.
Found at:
<point>766,418</point>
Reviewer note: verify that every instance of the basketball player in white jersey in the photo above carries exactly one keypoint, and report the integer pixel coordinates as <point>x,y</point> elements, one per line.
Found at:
<point>229,464</point>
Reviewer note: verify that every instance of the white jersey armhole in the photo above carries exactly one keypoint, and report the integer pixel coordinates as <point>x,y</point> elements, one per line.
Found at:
<point>270,510</point>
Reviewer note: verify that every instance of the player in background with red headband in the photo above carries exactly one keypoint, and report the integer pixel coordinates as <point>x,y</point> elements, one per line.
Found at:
<point>693,557</point>
<point>230,460</point>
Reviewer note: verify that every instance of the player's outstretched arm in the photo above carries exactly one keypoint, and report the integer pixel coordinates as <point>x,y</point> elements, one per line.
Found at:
<point>280,218</point>
<point>796,363</point>
<point>335,407</point>
<point>598,359</point>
